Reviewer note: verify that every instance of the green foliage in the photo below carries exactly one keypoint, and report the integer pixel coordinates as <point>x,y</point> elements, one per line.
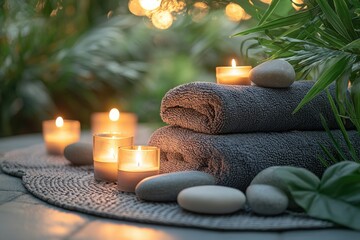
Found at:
<point>51,65</point>
<point>69,58</point>
<point>322,42</point>
<point>336,197</point>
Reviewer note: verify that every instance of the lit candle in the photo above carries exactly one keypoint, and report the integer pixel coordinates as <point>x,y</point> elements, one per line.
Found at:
<point>234,75</point>
<point>59,133</point>
<point>136,163</point>
<point>114,121</point>
<point>105,151</point>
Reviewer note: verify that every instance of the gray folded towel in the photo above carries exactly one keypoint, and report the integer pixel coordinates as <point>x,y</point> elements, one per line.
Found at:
<point>235,159</point>
<point>214,109</point>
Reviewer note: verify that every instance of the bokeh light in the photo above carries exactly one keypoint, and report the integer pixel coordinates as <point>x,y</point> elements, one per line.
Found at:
<point>199,11</point>
<point>266,1</point>
<point>246,16</point>
<point>150,5</point>
<point>234,12</point>
<point>176,6</point>
<point>296,7</point>
<point>162,19</point>
<point>135,8</point>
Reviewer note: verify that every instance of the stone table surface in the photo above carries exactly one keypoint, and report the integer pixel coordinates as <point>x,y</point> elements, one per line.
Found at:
<point>23,216</point>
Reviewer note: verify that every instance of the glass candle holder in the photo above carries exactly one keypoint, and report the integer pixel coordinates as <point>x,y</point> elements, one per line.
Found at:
<point>136,163</point>
<point>234,75</point>
<point>126,123</point>
<point>59,133</point>
<point>105,154</point>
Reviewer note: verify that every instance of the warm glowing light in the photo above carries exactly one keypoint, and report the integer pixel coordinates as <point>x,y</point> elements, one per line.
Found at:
<point>246,16</point>
<point>174,6</point>
<point>266,1</point>
<point>59,122</point>
<point>199,11</point>
<point>114,114</point>
<point>233,63</point>
<point>135,8</point>
<point>295,6</point>
<point>138,157</point>
<point>162,19</point>
<point>150,5</point>
<point>234,12</point>
<point>112,153</point>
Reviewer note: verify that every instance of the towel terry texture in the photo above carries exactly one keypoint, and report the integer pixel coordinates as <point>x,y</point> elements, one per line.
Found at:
<point>216,109</point>
<point>235,159</point>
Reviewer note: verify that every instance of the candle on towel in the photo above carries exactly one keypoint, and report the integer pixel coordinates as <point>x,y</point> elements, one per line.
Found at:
<point>234,75</point>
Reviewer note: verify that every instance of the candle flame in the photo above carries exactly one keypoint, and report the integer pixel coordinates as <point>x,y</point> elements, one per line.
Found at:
<point>114,114</point>
<point>59,122</point>
<point>233,63</point>
<point>138,156</point>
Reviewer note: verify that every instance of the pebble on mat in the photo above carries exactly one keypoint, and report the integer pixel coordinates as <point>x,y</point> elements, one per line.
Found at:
<point>211,199</point>
<point>266,199</point>
<point>79,153</point>
<point>166,187</point>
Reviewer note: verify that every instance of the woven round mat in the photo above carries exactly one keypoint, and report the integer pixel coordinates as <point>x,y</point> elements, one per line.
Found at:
<point>17,162</point>
<point>74,188</point>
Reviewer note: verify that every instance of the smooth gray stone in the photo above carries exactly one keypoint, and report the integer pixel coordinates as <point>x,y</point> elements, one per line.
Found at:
<point>166,187</point>
<point>273,74</point>
<point>266,199</point>
<point>79,153</point>
<point>268,177</point>
<point>211,199</point>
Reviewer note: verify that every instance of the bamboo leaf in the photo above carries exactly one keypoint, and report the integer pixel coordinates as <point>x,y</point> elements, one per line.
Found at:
<point>332,39</point>
<point>332,73</point>
<point>328,154</point>
<point>354,45</point>
<point>334,141</point>
<point>333,18</point>
<point>269,11</point>
<point>345,16</point>
<point>342,128</point>
<point>278,23</point>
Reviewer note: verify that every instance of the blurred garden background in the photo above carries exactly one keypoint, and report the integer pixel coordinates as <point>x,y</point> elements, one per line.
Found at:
<point>73,58</point>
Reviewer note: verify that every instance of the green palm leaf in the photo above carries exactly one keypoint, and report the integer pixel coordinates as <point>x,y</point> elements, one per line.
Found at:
<point>278,23</point>
<point>269,11</point>
<point>340,66</point>
<point>333,18</point>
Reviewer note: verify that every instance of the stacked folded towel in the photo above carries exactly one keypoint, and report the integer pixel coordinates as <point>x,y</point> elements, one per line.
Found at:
<point>234,132</point>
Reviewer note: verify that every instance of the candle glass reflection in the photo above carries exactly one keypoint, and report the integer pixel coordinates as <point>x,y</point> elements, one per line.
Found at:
<point>105,154</point>
<point>234,75</point>
<point>125,124</point>
<point>58,136</point>
<point>136,163</point>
